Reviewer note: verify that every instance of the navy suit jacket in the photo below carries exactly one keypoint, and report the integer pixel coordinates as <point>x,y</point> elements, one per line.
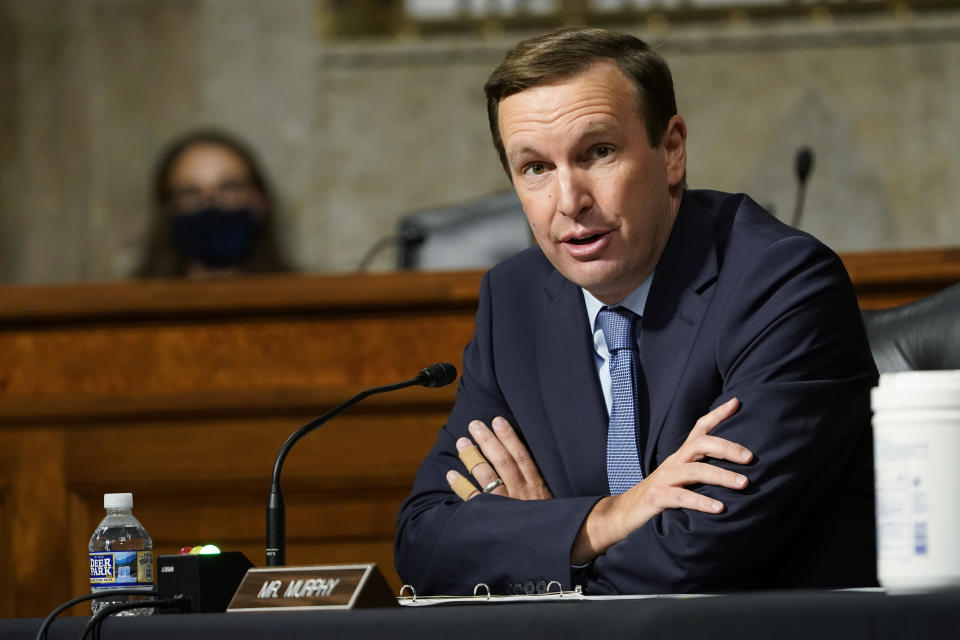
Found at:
<point>740,305</point>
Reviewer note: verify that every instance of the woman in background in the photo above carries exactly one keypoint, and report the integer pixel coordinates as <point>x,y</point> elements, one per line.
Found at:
<point>212,211</point>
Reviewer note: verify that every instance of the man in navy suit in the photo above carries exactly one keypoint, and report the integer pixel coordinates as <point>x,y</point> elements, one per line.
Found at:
<point>749,410</point>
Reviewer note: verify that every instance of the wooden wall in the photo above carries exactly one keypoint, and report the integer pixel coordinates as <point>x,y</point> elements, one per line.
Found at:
<point>183,392</point>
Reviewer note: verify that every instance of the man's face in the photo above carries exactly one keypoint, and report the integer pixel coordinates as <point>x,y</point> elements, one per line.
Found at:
<point>600,200</point>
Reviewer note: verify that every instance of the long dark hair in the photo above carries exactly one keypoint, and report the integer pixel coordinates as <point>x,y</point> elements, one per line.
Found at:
<point>161,258</point>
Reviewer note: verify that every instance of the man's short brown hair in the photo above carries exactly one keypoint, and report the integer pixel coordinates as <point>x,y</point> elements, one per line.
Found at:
<point>564,53</point>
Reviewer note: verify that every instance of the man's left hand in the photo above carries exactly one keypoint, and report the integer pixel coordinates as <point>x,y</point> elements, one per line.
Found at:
<point>507,459</point>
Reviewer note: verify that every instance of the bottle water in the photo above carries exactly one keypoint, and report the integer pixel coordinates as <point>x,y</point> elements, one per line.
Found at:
<point>121,555</point>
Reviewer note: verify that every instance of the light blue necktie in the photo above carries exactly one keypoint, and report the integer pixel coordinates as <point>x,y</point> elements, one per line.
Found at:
<point>623,461</point>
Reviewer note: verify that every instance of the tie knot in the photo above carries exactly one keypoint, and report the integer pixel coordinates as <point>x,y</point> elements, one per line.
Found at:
<point>617,326</point>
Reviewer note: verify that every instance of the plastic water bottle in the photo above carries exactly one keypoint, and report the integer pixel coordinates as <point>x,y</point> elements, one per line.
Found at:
<point>121,555</point>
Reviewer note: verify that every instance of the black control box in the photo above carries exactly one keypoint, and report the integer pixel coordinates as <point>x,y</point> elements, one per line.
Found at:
<point>209,580</point>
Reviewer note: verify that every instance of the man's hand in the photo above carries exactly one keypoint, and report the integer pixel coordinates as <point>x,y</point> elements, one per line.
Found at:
<point>614,518</point>
<point>507,459</point>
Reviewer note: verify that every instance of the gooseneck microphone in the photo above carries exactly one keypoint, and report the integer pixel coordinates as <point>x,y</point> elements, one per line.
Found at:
<point>803,166</point>
<point>409,236</point>
<point>439,374</point>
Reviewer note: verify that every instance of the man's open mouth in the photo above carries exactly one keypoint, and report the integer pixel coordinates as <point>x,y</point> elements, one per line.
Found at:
<point>585,239</point>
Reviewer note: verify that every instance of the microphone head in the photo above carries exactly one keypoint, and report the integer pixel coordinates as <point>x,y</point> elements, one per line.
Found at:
<point>412,234</point>
<point>804,163</point>
<point>439,374</point>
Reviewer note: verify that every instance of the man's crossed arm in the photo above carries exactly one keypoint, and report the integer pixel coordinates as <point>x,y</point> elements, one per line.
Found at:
<point>612,518</point>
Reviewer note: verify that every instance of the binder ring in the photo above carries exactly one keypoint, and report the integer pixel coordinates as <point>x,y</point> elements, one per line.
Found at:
<point>413,592</point>
<point>476,588</point>
<point>559,587</point>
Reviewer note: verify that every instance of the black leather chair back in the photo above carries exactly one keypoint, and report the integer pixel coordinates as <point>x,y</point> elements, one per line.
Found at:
<point>467,235</point>
<point>922,335</point>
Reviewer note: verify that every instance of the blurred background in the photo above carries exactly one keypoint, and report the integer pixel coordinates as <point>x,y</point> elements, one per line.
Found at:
<point>362,111</point>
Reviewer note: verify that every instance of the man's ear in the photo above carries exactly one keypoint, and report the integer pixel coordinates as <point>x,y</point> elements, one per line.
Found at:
<point>674,143</point>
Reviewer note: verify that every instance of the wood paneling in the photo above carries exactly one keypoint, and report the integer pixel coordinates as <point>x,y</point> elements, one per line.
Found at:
<point>183,392</point>
<point>891,278</point>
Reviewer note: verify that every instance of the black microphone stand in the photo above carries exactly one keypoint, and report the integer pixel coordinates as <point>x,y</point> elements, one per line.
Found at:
<point>803,166</point>
<point>409,236</point>
<point>436,375</point>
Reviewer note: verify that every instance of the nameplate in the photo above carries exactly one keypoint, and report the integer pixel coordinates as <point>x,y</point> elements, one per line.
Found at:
<point>313,588</point>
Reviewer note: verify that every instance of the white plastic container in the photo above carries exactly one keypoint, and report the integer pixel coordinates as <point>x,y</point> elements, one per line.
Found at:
<point>916,432</point>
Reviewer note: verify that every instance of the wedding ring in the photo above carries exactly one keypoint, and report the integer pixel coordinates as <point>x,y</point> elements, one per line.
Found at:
<point>493,485</point>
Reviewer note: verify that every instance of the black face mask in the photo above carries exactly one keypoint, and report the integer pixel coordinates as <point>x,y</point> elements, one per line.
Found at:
<point>216,237</point>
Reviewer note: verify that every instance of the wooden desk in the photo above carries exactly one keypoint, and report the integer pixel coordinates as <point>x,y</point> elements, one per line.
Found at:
<point>183,392</point>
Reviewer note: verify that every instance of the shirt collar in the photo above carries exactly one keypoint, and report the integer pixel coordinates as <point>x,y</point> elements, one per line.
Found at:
<point>635,301</point>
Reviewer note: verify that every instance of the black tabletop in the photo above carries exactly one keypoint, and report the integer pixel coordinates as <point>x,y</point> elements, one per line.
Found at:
<point>781,615</point>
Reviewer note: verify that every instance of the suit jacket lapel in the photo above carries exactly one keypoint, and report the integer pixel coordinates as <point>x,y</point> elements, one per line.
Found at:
<point>569,386</point>
<point>678,299</point>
